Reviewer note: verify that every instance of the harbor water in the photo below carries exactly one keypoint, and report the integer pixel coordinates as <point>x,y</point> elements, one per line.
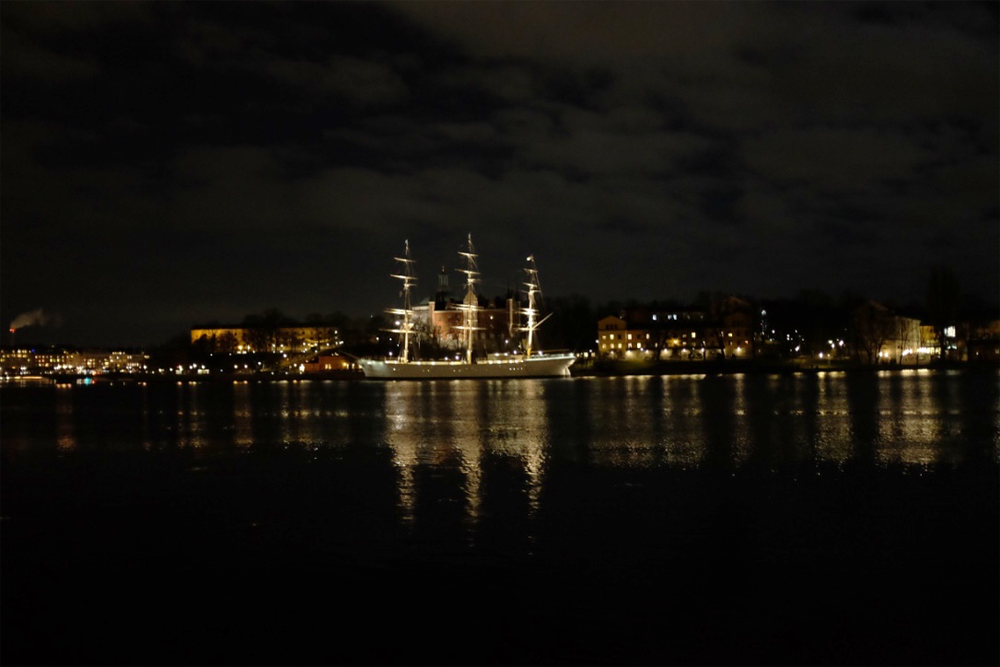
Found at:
<point>822,518</point>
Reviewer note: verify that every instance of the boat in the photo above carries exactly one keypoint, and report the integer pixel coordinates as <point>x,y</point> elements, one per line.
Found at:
<point>531,363</point>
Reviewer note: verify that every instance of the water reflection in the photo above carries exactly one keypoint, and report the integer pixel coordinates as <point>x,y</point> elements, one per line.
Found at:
<point>463,445</point>
<point>458,436</point>
<point>65,439</point>
<point>242,415</point>
<point>681,446</point>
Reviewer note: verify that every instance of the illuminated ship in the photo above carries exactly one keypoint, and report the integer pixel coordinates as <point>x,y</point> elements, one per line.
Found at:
<point>531,363</point>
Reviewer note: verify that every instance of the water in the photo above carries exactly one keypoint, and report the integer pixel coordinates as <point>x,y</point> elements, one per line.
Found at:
<point>821,518</point>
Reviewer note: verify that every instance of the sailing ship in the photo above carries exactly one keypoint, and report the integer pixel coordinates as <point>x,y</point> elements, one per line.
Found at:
<point>530,363</point>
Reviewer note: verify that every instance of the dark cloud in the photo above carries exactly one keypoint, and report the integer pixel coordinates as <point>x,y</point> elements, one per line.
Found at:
<point>166,163</point>
<point>28,59</point>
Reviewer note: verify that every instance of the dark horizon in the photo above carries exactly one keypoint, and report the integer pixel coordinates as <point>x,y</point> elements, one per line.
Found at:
<point>970,308</point>
<point>170,163</point>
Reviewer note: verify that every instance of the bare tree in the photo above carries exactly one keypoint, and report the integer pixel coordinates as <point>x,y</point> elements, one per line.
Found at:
<point>905,332</point>
<point>871,326</point>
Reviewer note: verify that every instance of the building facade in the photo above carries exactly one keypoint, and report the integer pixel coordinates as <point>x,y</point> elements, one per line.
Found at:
<point>725,331</point>
<point>617,340</point>
<point>52,361</point>
<point>258,339</point>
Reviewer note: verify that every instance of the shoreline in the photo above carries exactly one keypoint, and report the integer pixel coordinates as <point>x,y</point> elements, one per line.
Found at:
<point>754,367</point>
<point>584,370</point>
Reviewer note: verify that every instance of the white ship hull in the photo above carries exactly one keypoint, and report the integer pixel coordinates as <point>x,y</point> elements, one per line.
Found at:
<point>555,365</point>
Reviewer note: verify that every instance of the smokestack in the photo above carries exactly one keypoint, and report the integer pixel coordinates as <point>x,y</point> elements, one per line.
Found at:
<point>12,330</point>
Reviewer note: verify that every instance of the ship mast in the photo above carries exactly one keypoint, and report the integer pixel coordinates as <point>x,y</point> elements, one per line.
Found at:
<point>470,304</point>
<point>534,292</point>
<point>406,326</point>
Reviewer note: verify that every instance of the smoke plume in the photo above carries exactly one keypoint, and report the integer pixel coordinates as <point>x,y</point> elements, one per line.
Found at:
<point>35,318</point>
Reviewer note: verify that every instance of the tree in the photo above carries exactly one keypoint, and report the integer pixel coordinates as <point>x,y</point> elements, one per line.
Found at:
<point>943,293</point>
<point>226,343</point>
<point>871,325</point>
<point>905,334</point>
<point>571,325</point>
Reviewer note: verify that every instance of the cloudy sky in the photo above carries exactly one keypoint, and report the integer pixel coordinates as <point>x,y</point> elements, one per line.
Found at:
<point>170,163</point>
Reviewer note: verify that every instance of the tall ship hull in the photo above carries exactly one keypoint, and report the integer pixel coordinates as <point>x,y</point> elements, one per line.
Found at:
<point>555,365</point>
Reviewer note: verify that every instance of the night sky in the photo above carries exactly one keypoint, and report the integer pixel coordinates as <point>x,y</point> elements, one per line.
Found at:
<point>173,163</point>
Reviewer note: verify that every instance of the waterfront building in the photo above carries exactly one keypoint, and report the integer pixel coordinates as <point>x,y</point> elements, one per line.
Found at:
<point>984,342</point>
<point>611,336</point>
<point>52,361</point>
<point>726,330</point>
<point>33,361</point>
<point>259,338</point>
<point>325,363</point>
<point>878,335</point>
<point>616,338</point>
<point>440,321</point>
<point>902,344</point>
<point>734,327</point>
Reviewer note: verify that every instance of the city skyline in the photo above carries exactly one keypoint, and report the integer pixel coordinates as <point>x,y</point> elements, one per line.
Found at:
<point>168,164</point>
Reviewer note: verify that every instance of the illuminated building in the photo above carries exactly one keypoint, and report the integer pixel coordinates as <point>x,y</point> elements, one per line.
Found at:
<point>880,336</point>
<point>617,340</point>
<point>52,361</point>
<point>984,342</point>
<point>254,339</point>
<point>902,344</point>
<point>440,320</point>
<point>725,331</point>
<point>611,336</point>
<point>327,363</point>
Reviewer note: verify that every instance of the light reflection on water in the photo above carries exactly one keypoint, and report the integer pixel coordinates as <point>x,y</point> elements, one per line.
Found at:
<point>740,510</point>
<point>449,432</point>
<point>64,418</point>
<point>458,424</point>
